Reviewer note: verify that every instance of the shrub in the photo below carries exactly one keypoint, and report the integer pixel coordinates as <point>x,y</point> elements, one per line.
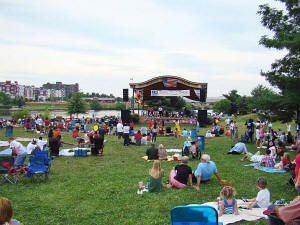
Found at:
<point>20,114</point>
<point>135,118</point>
<point>120,106</point>
<point>46,114</point>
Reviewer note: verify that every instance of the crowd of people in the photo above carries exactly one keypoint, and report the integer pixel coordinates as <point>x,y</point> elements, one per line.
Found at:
<point>273,141</point>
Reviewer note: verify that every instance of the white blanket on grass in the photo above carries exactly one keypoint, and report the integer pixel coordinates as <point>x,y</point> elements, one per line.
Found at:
<point>244,214</point>
<point>4,143</point>
<point>174,150</point>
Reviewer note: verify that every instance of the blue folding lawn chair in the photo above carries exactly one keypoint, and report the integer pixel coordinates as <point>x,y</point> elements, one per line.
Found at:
<point>39,166</point>
<point>194,215</point>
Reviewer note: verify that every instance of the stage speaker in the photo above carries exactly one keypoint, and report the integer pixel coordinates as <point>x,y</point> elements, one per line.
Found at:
<point>168,130</point>
<point>125,116</point>
<point>202,95</point>
<point>125,95</point>
<point>202,117</point>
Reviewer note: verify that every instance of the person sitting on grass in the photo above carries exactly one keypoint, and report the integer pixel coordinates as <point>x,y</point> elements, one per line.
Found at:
<point>155,177</point>
<point>289,214</point>
<point>205,170</point>
<point>138,138</point>
<point>180,175</point>
<point>229,203</point>
<point>285,161</point>
<point>162,153</point>
<point>6,213</point>
<point>268,160</point>
<point>184,133</point>
<point>263,197</point>
<point>152,152</point>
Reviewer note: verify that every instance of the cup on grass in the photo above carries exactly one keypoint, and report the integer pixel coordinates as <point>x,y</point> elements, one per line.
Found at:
<point>141,184</point>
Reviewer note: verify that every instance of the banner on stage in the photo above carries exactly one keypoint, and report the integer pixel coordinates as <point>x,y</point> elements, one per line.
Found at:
<point>138,96</point>
<point>170,92</point>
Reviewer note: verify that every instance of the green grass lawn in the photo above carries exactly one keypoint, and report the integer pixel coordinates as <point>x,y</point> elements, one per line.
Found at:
<point>103,190</point>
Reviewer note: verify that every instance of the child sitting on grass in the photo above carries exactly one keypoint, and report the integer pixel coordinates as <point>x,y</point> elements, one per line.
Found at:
<point>263,197</point>
<point>229,203</point>
<point>268,160</point>
<point>155,177</point>
<point>285,161</point>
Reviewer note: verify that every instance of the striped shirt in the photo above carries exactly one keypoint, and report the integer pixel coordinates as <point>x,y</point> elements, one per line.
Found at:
<point>18,147</point>
<point>229,209</point>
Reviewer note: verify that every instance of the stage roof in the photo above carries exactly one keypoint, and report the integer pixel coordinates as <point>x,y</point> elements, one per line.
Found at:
<point>171,84</point>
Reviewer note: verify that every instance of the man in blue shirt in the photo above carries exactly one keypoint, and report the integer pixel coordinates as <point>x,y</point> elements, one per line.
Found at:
<point>239,148</point>
<point>205,170</point>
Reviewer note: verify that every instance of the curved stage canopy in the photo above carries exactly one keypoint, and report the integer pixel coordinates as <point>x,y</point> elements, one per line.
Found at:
<point>169,86</point>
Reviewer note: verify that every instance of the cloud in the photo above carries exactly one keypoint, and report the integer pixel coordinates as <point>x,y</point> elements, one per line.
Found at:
<point>102,44</point>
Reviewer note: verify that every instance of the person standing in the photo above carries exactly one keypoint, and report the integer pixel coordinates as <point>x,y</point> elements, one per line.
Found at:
<point>126,130</point>
<point>119,130</point>
<point>154,133</point>
<point>231,126</point>
<point>9,129</point>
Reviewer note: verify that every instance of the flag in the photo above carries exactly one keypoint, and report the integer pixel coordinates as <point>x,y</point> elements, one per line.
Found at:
<point>169,82</point>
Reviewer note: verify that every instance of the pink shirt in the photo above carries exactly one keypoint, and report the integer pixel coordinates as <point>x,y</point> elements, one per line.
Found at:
<point>290,212</point>
<point>18,147</point>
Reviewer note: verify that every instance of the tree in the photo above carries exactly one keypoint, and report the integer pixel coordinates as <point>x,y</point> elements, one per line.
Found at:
<point>169,103</point>
<point>95,105</point>
<point>263,98</point>
<point>20,114</point>
<point>223,105</point>
<point>285,72</point>
<point>233,96</point>
<point>5,99</point>
<point>76,104</point>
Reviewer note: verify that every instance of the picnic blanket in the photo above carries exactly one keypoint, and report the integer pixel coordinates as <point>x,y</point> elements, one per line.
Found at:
<point>4,143</point>
<point>23,139</point>
<point>146,158</point>
<point>70,151</point>
<point>174,150</point>
<point>244,214</point>
<point>265,169</point>
<point>7,151</point>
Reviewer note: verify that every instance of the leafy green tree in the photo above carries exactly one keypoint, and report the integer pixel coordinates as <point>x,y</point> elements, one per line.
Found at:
<point>76,104</point>
<point>243,105</point>
<point>20,114</point>
<point>5,99</point>
<point>285,72</point>
<point>168,103</point>
<point>263,98</point>
<point>46,114</point>
<point>95,105</point>
<point>20,102</point>
<point>223,105</point>
<point>233,97</point>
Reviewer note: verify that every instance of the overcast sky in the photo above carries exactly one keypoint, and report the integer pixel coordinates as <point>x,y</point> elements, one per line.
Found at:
<point>102,44</point>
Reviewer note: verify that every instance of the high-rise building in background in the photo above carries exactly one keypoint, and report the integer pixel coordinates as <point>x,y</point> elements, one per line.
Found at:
<point>68,88</point>
<point>57,90</point>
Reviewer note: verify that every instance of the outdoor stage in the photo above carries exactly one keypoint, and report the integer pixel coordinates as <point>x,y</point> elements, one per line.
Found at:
<point>168,120</point>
